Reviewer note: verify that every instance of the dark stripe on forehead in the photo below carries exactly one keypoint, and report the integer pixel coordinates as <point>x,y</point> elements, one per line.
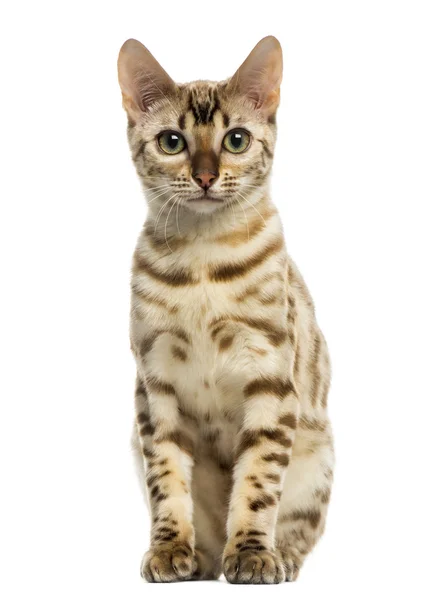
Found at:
<point>182,121</point>
<point>204,109</point>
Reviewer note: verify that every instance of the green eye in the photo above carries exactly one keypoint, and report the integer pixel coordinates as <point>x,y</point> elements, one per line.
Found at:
<point>171,142</point>
<point>236,141</point>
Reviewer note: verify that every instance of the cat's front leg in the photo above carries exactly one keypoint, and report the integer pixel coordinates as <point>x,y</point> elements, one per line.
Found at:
<point>263,453</point>
<point>168,456</point>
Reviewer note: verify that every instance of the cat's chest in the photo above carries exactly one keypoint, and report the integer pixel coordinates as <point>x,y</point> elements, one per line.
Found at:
<point>196,312</point>
<point>201,380</point>
<point>208,339</point>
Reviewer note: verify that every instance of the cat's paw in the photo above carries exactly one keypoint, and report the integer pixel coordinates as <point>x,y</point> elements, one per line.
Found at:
<point>168,562</point>
<point>254,566</point>
<point>291,568</point>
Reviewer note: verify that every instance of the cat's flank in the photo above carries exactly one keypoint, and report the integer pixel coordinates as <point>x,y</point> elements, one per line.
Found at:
<point>232,439</point>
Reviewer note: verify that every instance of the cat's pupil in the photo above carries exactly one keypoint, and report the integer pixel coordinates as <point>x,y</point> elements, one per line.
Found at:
<point>173,141</point>
<point>236,140</point>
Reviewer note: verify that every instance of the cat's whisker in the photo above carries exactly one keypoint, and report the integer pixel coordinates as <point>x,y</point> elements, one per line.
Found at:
<point>246,220</point>
<point>161,211</point>
<point>158,187</point>
<point>249,185</point>
<point>150,200</point>
<point>252,206</point>
<point>159,194</point>
<point>179,200</point>
<point>234,214</point>
<point>162,208</point>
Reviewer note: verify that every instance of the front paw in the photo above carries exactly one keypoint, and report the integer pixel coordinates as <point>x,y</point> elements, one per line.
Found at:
<point>168,562</point>
<point>254,566</point>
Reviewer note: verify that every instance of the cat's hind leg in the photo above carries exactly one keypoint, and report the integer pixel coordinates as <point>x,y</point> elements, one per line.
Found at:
<point>303,506</point>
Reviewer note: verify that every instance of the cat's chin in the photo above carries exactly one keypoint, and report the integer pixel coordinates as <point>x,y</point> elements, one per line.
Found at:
<point>204,206</point>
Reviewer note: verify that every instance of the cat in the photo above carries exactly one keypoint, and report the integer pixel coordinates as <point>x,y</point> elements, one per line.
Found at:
<point>232,440</point>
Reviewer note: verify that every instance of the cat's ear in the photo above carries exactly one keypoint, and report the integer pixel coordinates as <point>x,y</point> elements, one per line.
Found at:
<point>260,75</point>
<point>142,79</point>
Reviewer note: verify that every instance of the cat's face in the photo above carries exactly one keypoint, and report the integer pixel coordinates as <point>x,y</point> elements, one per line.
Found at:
<point>204,145</point>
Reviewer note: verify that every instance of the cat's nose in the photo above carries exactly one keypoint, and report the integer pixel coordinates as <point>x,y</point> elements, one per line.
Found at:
<point>205,178</point>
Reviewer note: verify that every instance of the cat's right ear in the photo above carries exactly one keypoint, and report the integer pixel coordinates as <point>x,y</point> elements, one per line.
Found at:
<point>142,79</point>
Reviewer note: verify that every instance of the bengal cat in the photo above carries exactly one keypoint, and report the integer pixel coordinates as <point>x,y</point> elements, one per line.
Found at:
<point>232,439</point>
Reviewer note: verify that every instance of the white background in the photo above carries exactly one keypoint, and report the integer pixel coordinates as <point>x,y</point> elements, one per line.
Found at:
<point>354,180</point>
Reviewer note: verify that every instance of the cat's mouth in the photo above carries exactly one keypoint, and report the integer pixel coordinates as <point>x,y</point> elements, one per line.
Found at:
<point>205,198</point>
<point>205,203</point>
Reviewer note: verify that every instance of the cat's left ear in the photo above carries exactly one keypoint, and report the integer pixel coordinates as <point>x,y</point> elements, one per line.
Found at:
<point>260,75</point>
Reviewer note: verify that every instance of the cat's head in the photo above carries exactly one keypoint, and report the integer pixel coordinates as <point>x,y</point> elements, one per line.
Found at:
<point>203,145</point>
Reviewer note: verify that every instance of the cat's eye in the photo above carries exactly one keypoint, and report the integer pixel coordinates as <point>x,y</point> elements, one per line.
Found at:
<point>171,142</point>
<point>237,141</point>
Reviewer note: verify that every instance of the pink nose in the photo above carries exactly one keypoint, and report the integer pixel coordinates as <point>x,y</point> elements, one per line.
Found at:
<point>204,179</point>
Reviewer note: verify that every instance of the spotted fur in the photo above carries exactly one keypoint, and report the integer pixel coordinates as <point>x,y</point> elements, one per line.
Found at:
<point>232,437</point>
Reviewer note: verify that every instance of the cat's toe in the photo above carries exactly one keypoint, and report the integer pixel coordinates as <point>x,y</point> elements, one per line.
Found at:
<point>251,566</point>
<point>290,566</point>
<point>167,563</point>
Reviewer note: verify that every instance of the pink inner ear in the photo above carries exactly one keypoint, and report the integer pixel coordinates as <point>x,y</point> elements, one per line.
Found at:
<point>142,80</point>
<point>260,75</point>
